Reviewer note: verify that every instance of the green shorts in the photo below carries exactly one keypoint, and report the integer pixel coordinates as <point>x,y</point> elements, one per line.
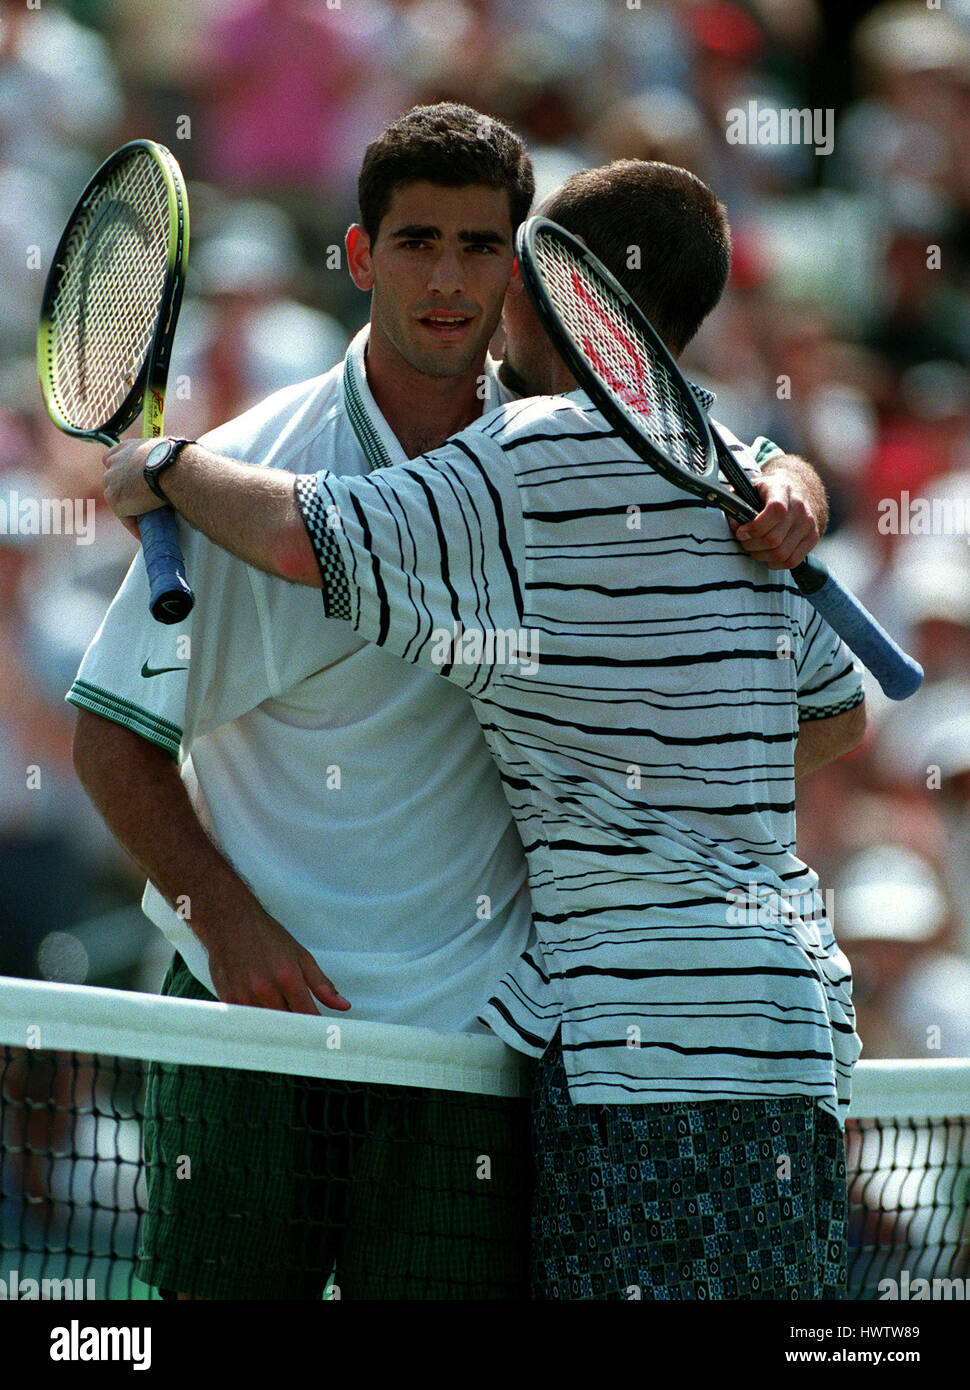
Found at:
<point>264,1186</point>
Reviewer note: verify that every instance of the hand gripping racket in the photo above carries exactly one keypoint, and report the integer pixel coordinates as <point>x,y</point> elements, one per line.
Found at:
<point>107,322</point>
<point>617,358</point>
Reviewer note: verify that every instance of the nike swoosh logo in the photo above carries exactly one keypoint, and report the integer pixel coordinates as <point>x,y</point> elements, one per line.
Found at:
<point>147,670</point>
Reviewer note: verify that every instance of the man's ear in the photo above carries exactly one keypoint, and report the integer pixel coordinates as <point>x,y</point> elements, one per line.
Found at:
<point>514,291</point>
<point>358,257</point>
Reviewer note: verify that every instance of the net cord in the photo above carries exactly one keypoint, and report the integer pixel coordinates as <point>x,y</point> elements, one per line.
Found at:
<point>80,1018</point>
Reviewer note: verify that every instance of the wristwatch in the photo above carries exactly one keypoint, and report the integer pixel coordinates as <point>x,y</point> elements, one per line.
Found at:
<point>162,456</point>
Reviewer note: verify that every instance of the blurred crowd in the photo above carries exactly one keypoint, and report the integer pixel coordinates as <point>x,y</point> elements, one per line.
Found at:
<point>844,336</point>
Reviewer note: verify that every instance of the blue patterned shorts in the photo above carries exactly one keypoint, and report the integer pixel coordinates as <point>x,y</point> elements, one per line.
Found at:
<point>706,1200</point>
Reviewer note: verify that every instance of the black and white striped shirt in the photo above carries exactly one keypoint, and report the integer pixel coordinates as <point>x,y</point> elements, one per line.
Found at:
<point>640,682</point>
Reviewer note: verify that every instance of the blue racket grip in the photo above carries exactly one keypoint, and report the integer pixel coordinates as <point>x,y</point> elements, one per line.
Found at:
<point>898,674</point>
<point>171,598</point>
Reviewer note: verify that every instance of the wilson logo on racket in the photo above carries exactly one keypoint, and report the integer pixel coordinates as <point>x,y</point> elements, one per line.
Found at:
<point>632,392</point>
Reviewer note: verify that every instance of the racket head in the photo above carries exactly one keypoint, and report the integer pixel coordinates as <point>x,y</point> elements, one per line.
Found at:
<point>615,355</point>
<point>113,293</point>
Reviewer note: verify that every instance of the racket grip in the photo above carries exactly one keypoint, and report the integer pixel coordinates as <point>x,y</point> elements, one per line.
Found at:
<point>171,598</point>
<point>898,674</point>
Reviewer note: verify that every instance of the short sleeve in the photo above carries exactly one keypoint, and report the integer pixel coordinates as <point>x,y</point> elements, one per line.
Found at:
<point>829,680</point>
<point>426,558</point>
<point>765,450</point>
<point>751,457</point>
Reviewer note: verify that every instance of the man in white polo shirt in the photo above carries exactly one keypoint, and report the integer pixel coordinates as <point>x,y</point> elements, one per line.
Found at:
<point>321,821</point>
<point>686,1052</point>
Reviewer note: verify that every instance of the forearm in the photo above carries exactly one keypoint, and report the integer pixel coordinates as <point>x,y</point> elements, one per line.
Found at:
<point>251,512</point>
<point>821,741</point>
<point>136,787</point>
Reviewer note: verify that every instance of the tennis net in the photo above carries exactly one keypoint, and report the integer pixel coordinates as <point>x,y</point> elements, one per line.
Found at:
<point>319,1122</point>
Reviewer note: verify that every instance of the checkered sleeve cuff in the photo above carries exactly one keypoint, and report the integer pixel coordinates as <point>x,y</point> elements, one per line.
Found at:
<point>333,571</point>
<point>829,711</point>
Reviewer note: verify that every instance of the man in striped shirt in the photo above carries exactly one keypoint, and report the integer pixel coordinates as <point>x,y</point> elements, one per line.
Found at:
<point>649,693</point>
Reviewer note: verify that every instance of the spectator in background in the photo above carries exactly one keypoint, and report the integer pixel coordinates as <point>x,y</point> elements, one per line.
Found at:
<point>892,915</point>
<point>925,433</point>
<point>658,123</point>
<point>933,569</point>
<point>920,313</point>
<point>59,93</point>
<point>41,888</point>
<point>907,125</point>
<point>59,100</point>
<point>276,77</point>
<point>247,336</point>
<point>949,751</point>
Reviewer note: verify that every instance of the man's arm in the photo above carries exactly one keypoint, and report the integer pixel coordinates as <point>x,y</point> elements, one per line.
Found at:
<point>136,786</point>
<point>251,512</point>
<point>821,741</point>
<point>795,514</point>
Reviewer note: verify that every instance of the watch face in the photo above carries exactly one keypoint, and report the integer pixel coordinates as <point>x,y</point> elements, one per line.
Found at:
<point>159,454</point>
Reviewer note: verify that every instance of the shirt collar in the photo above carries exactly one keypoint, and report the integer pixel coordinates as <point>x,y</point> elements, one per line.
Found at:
<point>374,435</point>
<point>496,393</point>
<point>376,438</point>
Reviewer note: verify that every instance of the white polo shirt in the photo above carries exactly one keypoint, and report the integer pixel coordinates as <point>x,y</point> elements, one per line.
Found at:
<point>640,681</point>
<point>353,793</point>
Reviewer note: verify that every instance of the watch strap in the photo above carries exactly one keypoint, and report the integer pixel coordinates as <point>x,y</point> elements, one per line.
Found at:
<point>154,472</point>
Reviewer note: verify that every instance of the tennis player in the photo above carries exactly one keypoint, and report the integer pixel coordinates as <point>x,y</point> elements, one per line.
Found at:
<point>320,818</point>
<point>695,1064</point>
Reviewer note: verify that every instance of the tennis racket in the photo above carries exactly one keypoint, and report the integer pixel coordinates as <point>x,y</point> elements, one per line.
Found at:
<point>107,322</point>
<point>617,358</point>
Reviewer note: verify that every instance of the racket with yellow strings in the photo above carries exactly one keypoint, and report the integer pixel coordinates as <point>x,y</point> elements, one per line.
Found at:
<point>107,322</point>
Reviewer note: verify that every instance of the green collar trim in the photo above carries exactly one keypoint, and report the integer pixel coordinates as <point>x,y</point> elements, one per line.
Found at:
<point>367,437</point>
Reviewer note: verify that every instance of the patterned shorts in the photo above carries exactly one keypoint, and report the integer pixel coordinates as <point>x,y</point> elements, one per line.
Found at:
<point>706,1200</point>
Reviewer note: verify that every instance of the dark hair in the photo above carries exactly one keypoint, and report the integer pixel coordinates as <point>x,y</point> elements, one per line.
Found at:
<point>448,145</point>
<point>661,232</point>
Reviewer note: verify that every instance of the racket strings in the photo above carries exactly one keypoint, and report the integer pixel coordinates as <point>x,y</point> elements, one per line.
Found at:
<point>106,304</point>
<point>619,354</point>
